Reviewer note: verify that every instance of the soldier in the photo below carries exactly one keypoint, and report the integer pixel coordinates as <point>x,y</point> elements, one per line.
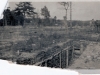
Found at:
<point>39,21</point>
<point>20,17</point>
<point>55,18</point>
<point>65,24</point>
<point>7,16</point>
<point>96,25</point>
<point>18,13</point>
<point>92,24</point>
<point>1,22</point>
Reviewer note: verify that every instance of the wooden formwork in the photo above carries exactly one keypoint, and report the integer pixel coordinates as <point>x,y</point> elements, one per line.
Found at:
<point>58,56</point>
<point>78,46</point>
<point>63,58</point>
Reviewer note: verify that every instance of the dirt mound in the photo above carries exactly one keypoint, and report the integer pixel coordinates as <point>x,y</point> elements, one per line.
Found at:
<point>89,59</point>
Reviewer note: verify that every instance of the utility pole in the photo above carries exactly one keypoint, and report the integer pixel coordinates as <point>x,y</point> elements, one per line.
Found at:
<point>71,14</point>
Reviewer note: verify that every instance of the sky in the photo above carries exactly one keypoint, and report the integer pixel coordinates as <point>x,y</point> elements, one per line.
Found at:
<point>80,10</point>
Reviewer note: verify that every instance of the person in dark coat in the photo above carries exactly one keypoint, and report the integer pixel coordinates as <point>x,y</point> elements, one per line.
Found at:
<point>1,22</point>
<point>20,17</point>
<point>7,16</point>
<point>97,25</point>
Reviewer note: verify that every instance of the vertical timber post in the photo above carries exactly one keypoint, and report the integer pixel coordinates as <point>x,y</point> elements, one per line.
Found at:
<point>5,20</point>
<point>81,48</point>
<point>60,59</point>
<point>41,65</point>
<point>71,14</point>
<point>67,55</point>
<point>46,63</point>
<point>72,51</point>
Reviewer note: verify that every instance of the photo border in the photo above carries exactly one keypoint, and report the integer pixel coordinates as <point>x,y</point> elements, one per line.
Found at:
<point>82,71</point>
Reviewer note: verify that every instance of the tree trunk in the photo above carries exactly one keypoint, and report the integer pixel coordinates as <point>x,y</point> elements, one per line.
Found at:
<point>24,14</point>
<point>66,23</point>
<point>66,14</point>
<point>5,21</point>
<point>70,15</point>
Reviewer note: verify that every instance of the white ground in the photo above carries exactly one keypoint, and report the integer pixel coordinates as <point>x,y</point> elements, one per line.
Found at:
<point>7,68</point>
<point>90,58</point>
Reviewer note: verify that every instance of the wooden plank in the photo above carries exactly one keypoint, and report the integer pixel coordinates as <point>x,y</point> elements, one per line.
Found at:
<point>67,53</point>
<point>81,48</point>
<point>46,63</point>
<point>72,52</point>
<point>50,57</point>
<point>60,59</point>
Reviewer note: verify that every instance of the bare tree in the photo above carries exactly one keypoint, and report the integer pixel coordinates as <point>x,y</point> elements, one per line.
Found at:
<point>45,12</point>
<point>66,5</point>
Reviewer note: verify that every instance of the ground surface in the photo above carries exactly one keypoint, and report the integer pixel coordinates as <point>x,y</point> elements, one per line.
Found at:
<point>25,39</point>
<point>90,58</point>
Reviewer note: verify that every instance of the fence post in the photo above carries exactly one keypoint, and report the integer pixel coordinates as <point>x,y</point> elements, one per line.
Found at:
<point>60,59</point>
<point>2,36</point>
<point>67,54</point>
<point>72,52</point>
<point>81,48</point>
<point>46,63</point>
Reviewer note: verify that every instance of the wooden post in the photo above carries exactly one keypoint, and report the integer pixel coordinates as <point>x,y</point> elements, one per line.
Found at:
<point>72,52</point>
<point>40,64</point>
<point>71,14</point>
<point>81,48</point>
<point>46,63</point>
<point>66,25</point>
<point>67,55</point>
<point>4,19</point>
<point>2,36</point>
<point>60,59</point>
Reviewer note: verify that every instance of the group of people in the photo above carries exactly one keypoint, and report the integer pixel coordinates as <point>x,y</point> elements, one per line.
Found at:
<point>95,25</point>
<point>12,17</point>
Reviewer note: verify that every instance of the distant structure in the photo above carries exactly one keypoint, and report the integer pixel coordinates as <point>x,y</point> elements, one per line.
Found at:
<point>92,24</point>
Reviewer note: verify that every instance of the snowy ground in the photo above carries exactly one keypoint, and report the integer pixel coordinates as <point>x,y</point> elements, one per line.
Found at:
<point>90,58</point>
<point>7,68</point>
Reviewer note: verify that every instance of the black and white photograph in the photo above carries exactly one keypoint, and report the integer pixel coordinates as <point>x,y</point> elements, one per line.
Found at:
<point>63,35</point>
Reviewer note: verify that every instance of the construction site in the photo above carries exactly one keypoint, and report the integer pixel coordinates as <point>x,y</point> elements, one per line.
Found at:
<point>59,46</point>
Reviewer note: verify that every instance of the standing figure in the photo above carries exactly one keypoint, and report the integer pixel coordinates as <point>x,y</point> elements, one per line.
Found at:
<point>65,22</point>
<point>55,19</point>
<point>92,24</point>
<point>20,17</point>
<point>96,25</point>
<point>7,16</point>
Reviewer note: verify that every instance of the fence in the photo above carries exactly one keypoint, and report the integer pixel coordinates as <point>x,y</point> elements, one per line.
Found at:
<point>63,58</point>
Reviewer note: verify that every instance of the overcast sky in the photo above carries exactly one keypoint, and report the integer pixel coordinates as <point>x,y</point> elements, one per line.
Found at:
<point>80,10</point>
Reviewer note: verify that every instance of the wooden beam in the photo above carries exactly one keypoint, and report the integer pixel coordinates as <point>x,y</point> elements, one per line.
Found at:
<point>46,64</point>
<point>81,48</point>
<point>67,56</point>
<point>72,52</point>
<point>71,14</point>
<point>60,59</point>
<point>51,56</point>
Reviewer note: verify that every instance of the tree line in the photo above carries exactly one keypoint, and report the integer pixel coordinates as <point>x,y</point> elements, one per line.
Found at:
<point>25,13</point>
